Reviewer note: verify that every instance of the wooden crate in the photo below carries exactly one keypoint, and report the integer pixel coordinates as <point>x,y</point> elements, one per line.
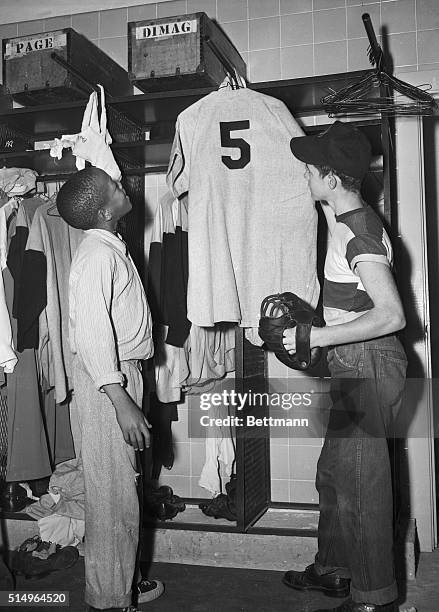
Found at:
<point>5,99</point>
<point>173,53</point>
<point>32,76</point>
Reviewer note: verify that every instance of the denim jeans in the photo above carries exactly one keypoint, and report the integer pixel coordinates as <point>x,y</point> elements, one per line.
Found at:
<point>355,533</point>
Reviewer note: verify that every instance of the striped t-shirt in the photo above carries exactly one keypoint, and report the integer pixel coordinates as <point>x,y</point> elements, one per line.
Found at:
<point>358,235</point>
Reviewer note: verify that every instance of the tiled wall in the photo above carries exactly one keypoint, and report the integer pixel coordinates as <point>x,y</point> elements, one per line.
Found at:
<point>278,39</point>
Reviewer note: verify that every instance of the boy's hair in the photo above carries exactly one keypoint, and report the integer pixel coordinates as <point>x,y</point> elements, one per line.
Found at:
<point>348,182</point>
<point>80,198</point>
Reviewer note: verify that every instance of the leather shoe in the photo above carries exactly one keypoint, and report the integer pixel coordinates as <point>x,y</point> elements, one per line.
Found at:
<point>308,580</point>
<point>352,606</point>
<point>14,497</point>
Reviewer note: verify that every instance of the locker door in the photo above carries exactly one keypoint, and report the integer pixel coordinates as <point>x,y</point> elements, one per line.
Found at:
<point>413,264</point>
<point>252,443</point>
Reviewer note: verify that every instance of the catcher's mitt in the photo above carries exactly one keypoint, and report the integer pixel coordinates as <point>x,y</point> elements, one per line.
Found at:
<point>295,313</point>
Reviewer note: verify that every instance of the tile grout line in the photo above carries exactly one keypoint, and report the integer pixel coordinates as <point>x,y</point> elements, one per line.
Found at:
<point>249,52</point>
<point>346,32</point>
<point>280,42</point>
<point>416,35</point>
<point>313,41</point>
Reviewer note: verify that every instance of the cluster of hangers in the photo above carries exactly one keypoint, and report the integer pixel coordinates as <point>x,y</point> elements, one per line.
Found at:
<point>235,81</point>
<point>379,91</point>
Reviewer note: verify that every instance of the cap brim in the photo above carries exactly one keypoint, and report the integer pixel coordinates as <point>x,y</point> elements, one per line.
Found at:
<point>309,149</point>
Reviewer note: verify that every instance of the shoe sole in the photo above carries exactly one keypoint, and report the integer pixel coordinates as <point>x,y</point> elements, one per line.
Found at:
<point>329,592</point>
<point>150,595</point>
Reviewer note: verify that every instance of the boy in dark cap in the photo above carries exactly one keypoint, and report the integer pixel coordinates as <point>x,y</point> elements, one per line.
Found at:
<point>367,363</point>
<point>109,334</point>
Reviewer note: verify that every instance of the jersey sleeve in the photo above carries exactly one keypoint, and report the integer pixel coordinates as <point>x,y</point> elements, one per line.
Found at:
<point>367,247</point>
<point>32,289</point>
<point>177,176</point>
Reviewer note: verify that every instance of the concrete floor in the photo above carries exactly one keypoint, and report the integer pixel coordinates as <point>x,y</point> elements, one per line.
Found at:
<point>191,588</point>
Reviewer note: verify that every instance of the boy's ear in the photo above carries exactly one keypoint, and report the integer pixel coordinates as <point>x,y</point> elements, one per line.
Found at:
<point>105,214</point>
<point>332,181</point>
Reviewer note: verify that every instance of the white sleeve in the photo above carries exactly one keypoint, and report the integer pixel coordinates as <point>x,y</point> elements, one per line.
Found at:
<point>94,335</point>
<point>177,176</point>
<point>8,358</point>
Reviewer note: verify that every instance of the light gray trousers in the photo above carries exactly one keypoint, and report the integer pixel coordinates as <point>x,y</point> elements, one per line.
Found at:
<point>111,503</point>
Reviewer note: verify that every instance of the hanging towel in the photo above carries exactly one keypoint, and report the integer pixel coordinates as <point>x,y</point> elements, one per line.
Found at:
<point>219,447</point>
<point>92,144</point>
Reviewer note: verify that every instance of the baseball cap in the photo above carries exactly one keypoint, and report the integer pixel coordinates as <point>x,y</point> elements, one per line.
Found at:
<point>341,147</point>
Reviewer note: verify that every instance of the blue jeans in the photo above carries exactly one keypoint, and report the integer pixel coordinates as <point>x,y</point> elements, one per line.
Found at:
<point>355,534</point>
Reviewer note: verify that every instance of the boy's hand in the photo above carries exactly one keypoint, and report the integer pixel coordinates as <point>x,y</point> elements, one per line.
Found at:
<point>133,423</point>
<point>289,340</point>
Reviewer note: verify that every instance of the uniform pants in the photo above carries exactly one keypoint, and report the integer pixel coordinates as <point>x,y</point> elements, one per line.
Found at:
<point>111,502</point>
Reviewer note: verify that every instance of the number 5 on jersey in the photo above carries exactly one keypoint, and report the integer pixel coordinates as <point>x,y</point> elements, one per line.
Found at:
<point>226,127</point>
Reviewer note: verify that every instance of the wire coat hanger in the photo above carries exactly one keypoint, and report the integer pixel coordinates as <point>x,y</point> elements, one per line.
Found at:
<point>228,67</point>
<point>361,98</point>
<point>52,211</point>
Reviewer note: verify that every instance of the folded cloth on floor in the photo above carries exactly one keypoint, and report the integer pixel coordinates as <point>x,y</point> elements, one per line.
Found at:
<point>62,530</point>
<point>66,493</point>
<point>24,563</point>
<point>44,549</point>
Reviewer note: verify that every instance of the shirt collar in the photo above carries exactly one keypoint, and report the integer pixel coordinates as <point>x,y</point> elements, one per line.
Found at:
<point>349,213</point>
<point>110,238</point>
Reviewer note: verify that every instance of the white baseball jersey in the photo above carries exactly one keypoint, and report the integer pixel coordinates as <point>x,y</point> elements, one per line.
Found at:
<point>252,221</point>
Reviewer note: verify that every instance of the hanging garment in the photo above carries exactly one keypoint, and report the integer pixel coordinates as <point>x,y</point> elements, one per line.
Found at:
<point>219,447</point>
<point>8,357</point>
<point>186,356</point>
<point>161,415</point>
<point>17,181</point>
<point>92,144</point>
<point>38,434</point>
<point>18,240</point>
<point>167,269</point>
<point>43,299</point>
<point>167,359</point>
<point>8,212</point>
<point>29,456</point>
<point>208,356</point>
<point>3,197</point>
<point>164,223</point>
<point>59,432</point>
<point>252,221</point>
